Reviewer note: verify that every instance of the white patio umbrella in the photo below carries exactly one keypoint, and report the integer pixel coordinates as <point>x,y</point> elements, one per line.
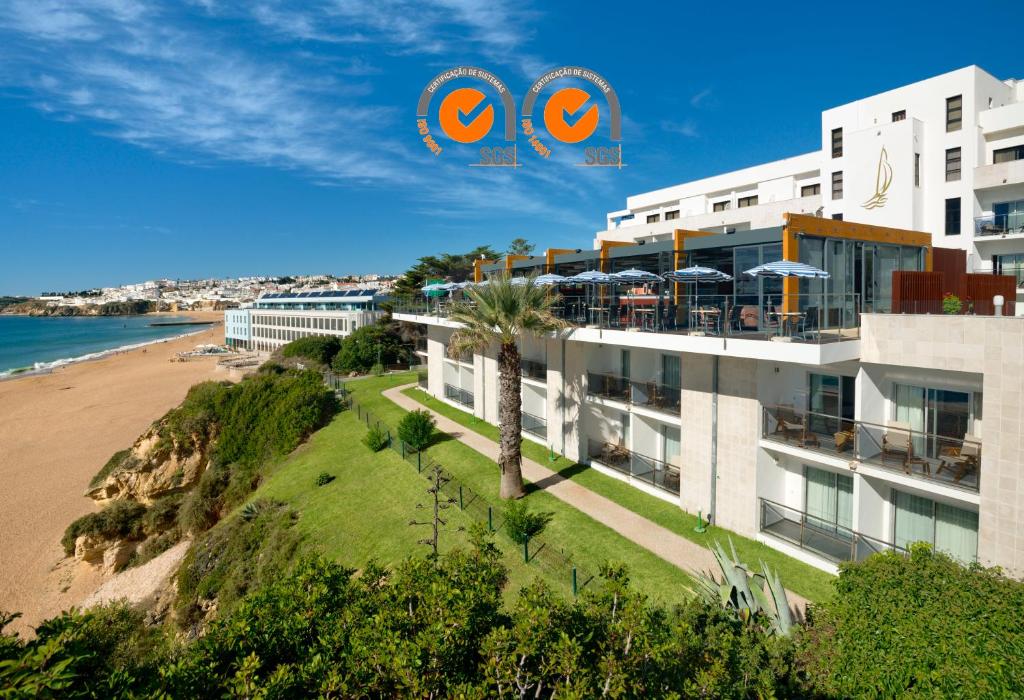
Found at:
<point>697,273</point>
<point>550,280</point>
<point>591,277</point>
<point>634,276</point>
<point>787,268</point>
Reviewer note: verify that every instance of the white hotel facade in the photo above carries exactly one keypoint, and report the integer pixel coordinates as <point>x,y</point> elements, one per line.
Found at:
<point>276,319</point>
<point>863,430</point>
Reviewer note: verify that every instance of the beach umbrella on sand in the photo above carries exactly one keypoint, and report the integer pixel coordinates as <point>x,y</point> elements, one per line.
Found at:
<point>787,268</point>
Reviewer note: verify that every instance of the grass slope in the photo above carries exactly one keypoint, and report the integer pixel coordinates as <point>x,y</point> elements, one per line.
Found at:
<point>812,583</point>
<point>591,543</point>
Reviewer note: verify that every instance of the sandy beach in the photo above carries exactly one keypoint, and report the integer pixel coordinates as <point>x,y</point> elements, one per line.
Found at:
<point>56,431</point>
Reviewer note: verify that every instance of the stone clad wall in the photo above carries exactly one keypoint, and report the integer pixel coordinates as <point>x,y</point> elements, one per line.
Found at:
<point>994,348</point>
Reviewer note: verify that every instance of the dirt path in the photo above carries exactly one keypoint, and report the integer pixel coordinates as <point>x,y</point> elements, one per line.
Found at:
<point>675,549</point>
<point>56,431</point>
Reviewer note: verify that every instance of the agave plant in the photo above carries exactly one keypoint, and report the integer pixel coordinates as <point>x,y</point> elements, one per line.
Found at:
<point>748,594</point>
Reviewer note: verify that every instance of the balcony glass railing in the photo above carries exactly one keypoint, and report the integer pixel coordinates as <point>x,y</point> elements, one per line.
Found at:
<point>458,395</point>
<point>421,345</point>
<point>999,224</point>
<point>953,461</point>
<point>421,379</point>
<point>534,370</point>
<point>821,537</point>
<point>535,425</point>
<point>650,394</point>
<point>648,470</point>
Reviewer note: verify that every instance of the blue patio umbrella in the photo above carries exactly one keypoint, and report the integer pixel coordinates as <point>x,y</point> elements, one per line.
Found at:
<point>787,268</point>
<point>591,277</point>
<point>698,274</point>
<point>435,287</point>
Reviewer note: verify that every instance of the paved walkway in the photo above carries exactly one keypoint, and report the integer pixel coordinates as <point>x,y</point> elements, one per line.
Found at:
<point>673,548</point>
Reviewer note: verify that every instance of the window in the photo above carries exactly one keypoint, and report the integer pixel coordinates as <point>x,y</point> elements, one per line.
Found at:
<point>670,215</point>
<point>1005,155</point>
<point>810,190</point>
<point>828,500</point>
<point>837,217</point>
<point>653,218</point>
<point>947,528</point>
<point>953,216</point>
<point>954,113</point>
<point>746,201</point>
<point>837,184</point>
<point>837,143</point>
<point>1008,217</point>
<point>917,170</point>
<point>952,164</point>
<point>899,116</point>
<point>721,206</point>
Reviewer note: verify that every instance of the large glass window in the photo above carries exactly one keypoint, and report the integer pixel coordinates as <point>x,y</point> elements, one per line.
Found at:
<point>947,528</point>
<point>670,443</point>
<point>828,500</point>
<point>830,400</point>
<point>940,418</point>
<point>670,375</point>
<point>1009,216</point>
<point>954,113</point>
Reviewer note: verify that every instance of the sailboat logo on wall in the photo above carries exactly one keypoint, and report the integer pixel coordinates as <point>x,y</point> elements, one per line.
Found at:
<point>883,179</point>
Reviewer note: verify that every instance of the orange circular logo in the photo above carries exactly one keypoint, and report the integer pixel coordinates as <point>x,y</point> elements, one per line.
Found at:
<point>562,108</point>
<point>461,103</point>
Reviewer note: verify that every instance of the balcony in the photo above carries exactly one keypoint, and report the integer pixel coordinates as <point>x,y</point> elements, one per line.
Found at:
<point>647,470</point>
<point>458,395</point>
<point>649,394</point>
<point>421,380</point>
<point>421,346</point>
<point>999,174</point>
<point>1001,225</point>
<point>532,369</point>
<point>817,536</point>
<point>896,447</point>
<point>535,425</point>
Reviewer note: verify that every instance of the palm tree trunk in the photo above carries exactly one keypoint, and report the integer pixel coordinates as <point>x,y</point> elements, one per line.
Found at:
<point>510,422</point>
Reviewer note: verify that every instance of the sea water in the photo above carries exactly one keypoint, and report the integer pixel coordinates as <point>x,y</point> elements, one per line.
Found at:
<point>42,342</point>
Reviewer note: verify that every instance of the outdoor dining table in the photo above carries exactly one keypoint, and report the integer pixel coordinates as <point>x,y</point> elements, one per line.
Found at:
<point>707,318</point>
<point>645,316</point>
<point>787,318</point>
<point>599,314</point>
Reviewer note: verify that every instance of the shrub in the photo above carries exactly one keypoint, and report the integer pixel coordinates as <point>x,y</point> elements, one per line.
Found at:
<point>951,304</point>
<point>360,351</point>
<point>119,520</point>
<point>162,515</point>
<point>112,464</point>
<point>376,439</point>
<point>377,370</point>
<point>522,524</point>
<point>921,625</point>
<point>416,429</point>
<point>323,478</point>
<point>316,348</point>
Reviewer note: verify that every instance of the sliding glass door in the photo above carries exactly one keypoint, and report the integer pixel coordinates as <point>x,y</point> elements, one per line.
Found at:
<point>828,501</point>
<point>940,417</point>
<point>830,401</point>
<point>947,528</point>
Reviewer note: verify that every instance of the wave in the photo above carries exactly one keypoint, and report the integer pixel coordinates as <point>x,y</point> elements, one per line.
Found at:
<point>46,367</point>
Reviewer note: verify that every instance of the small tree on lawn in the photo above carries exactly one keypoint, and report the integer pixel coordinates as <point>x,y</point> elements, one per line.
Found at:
<point>416,429</point>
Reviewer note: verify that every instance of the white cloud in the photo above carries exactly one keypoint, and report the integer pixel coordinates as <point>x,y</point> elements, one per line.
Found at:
<point>700,97</point>
<point>686,128</point>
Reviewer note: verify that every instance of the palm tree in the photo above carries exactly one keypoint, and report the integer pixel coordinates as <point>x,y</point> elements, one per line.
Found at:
<point>501,313</point>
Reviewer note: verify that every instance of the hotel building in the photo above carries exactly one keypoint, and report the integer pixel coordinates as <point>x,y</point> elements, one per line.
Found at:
<point>276,319</point>
<point>827,418</point>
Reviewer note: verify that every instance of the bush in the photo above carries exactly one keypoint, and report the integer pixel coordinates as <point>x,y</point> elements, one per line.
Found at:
<point>416,429</point>
<point>112,464</point>
<point>120,520</point>
<point>376,439</point>
<point>323,478</point>
<point>162,515</point>
<point>951,304</point>
<point>521,524</point>
<point>923,626</point>
<point>359,351</point>
<point>377,370</point>
<point>316,348</point>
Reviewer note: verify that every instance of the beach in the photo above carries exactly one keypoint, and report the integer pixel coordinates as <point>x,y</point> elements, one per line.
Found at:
<point>56,431</point>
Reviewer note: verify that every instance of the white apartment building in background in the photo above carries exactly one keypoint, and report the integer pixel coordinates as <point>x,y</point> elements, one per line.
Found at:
<point>820,417</point>
<point>944,155</point>
<point>274,320</point>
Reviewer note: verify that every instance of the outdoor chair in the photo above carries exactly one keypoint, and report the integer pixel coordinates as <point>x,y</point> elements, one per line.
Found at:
<point>809,323</point>
<point>793,427</point>
<point>965,460</point>
<point>748,318</point>
<point>896,442</point>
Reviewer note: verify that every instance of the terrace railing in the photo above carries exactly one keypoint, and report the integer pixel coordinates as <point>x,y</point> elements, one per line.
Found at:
<point>821,537</point>
<point>649,470</point>
<point>422,379</point>
<point>648,393</point>
<point>949,460</point>
<point>608,386</point>
<point>535,425</point>
<point>458,395</point>
<point>999,224</point>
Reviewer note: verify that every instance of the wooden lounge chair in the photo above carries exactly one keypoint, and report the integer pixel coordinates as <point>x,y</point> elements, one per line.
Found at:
<point>896,443</point>
<point>792,427</point>
<point>965,460</point>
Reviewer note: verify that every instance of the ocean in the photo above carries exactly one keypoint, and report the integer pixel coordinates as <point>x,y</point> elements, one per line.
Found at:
<point>33,342</point>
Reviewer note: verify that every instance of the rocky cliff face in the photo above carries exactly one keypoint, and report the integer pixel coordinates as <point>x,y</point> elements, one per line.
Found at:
<point>153,468</point>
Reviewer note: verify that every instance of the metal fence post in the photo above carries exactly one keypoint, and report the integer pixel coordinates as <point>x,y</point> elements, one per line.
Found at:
<point>402,443</point>
<point>574,582</point>
<point>526,550</point>
<point>460,498</point>
<point>490,519</point>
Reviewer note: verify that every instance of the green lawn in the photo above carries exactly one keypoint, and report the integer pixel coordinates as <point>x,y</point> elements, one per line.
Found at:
<point>813,584</point>
<point>591,543</point>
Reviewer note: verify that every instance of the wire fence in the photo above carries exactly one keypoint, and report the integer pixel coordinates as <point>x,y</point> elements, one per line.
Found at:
<point>538,551</point>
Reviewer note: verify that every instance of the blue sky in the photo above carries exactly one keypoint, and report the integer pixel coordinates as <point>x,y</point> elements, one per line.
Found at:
<point>232,137</point>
